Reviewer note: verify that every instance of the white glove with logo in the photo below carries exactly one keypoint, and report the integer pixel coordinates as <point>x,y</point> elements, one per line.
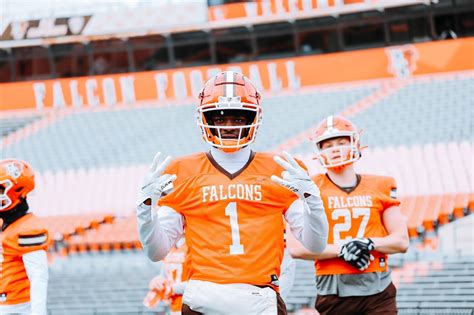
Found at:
<point>295,178</point>
<point>154,185</point>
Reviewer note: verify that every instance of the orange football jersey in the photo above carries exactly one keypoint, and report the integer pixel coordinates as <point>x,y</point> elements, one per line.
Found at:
<point>355,214</point>
<point>234,222</point>
<point>176,270</point>
<point>23,236</point>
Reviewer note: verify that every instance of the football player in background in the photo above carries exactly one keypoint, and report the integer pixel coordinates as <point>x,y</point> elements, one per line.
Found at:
<point>232,206</point>
<point>168,286</point>
<point>365,225</point>
<point>24,263</point>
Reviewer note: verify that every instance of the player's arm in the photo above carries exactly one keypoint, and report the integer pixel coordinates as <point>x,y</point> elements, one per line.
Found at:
<point>36,265</point>
<point>157,283</point>
<point>397,240</point>
<point>308,228</point>
<point>297,250</point>
<point>157,232</point>
<point>33,247</point>
<point>287,275</point>
<point>306,215</point>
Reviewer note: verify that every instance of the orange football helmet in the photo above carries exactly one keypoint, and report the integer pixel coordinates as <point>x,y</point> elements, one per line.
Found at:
<point>229,90</point>
<point>335,127</point>
<point>17,179</point>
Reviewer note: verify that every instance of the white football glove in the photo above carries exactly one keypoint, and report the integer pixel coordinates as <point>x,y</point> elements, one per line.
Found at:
<point>156,184</point>
<point>295,178</point>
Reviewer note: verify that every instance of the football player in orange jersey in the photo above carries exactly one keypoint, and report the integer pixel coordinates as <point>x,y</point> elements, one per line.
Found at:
<point>232,205</point>
<point>24,264</point>
<point>365,225</point>
<point>169,285</point>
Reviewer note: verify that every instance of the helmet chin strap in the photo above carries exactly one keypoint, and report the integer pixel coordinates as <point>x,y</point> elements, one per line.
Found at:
<point>228,150</point>
<point>232,150</point>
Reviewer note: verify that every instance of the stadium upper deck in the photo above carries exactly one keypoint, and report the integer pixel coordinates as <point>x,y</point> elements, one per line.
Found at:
<point>166,37</point>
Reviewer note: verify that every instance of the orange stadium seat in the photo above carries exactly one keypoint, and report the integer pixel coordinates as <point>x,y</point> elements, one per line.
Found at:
<point>433,182</point>
<point>420,210</point>
<point>120,234</point>
<point>433,210</point>
<point>407,205</point>
<point>447,208</point>
<point>62,228</point>
<point>461,180</point>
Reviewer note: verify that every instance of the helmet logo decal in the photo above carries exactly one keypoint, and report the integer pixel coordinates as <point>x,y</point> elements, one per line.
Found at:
<point>13,170</point>
<point>229,101</point>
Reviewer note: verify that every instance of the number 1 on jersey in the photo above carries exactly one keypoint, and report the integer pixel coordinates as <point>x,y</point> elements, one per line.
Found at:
<point>236,248</point>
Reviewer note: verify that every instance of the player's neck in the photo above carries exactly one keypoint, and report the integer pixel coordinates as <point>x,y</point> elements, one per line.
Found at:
<point>14,214</point>
<point>242,154</point>
<point>231,162</point>
<point>345,177</point>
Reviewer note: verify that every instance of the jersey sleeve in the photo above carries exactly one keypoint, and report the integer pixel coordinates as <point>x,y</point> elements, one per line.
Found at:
<point>32,239</point>
<point>177,197</point>
<point>389,193</point>
<point>183,168</point>
<point>172,169</point>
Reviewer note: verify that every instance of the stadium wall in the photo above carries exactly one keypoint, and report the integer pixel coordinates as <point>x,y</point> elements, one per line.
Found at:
<point>275,75</point>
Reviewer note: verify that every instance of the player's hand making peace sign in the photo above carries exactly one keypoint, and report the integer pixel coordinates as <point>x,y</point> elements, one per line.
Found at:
<point>155,183</point>
<point>295,177</point>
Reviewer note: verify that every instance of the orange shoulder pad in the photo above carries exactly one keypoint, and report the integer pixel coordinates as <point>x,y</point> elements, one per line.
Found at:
<point>185,166</point>
<point>32,233</point>
<point>387,185</point>
<point>319,179</point>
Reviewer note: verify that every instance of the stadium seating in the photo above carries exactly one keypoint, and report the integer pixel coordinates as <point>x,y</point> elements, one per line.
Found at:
<point>434,180</point>
<point>64,226</point>
<point>116,283</point>
<point>131,136</point>
<point>421,285</point>
<point>16,122</point>
<point>429,193</point>
<point>103,154</point>
<point>100,284</point>
<point>118,235</point>
<point>411,115</point>
<point>106,190</point>
<point>423,278</point>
